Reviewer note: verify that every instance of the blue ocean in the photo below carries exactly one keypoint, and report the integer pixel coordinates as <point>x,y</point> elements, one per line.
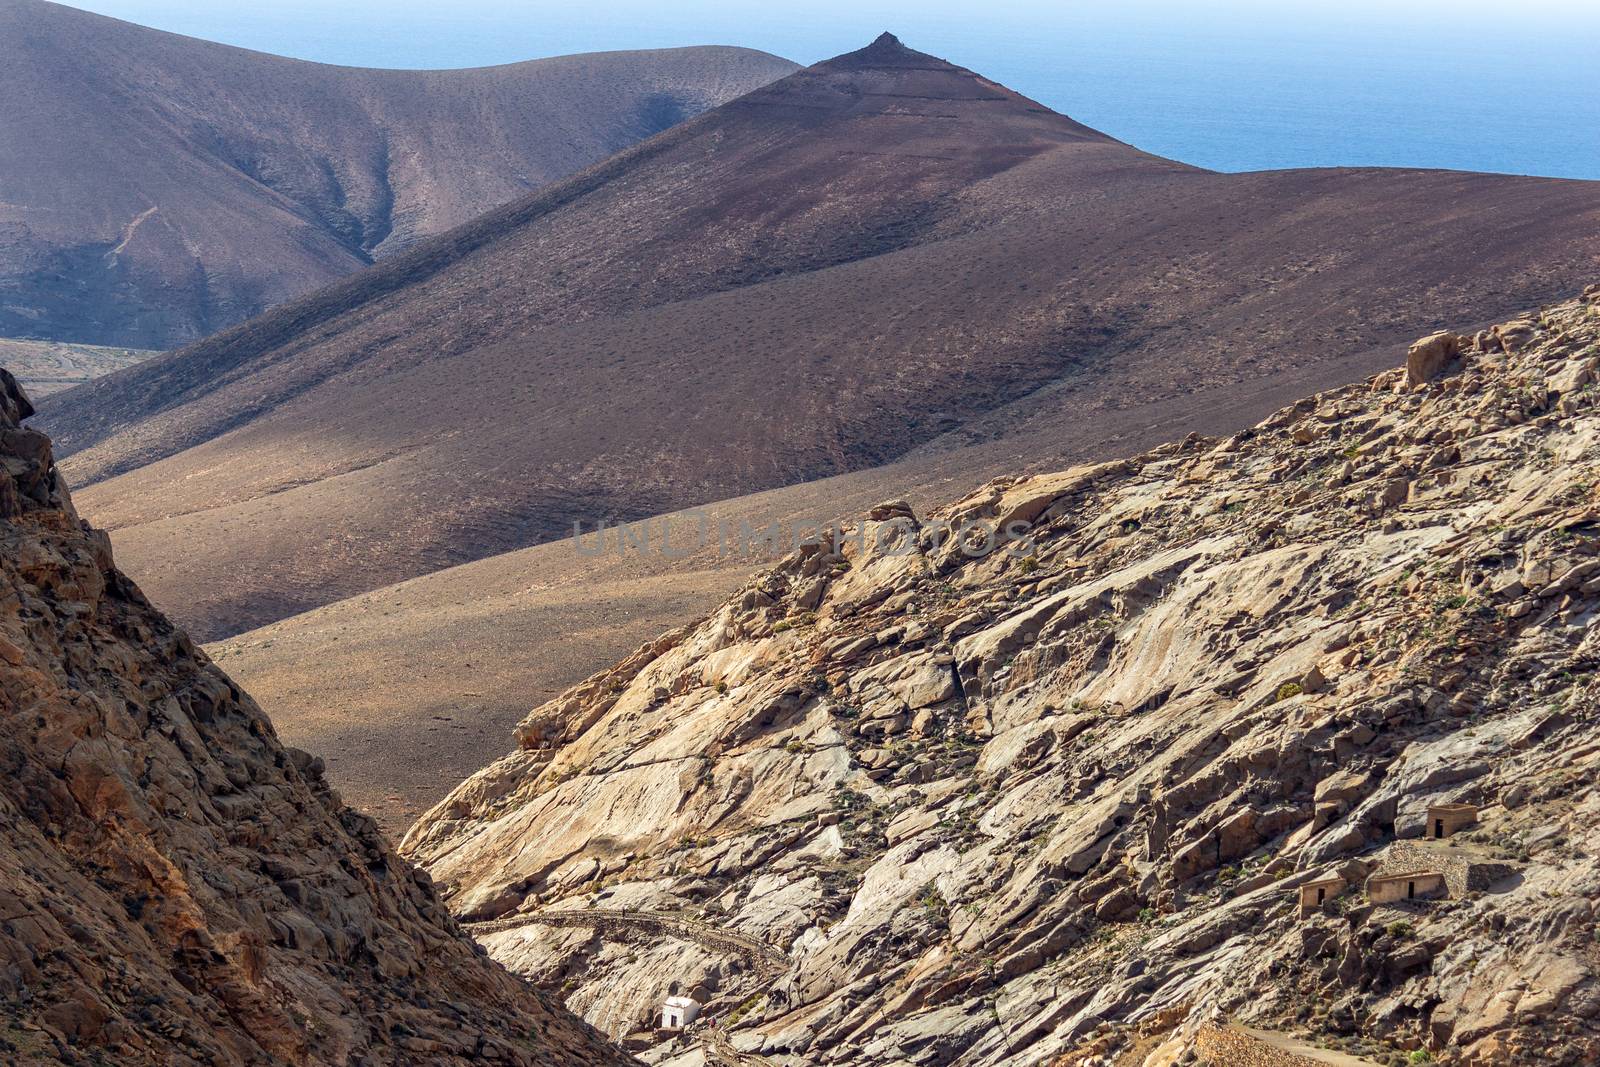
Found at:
<point>1231,85</point>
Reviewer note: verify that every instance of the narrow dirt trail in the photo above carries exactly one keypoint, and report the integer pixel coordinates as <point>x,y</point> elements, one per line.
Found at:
<point>720,1050</point>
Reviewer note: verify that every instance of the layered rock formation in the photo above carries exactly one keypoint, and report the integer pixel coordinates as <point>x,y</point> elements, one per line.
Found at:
<point>176,887</point>
<point>1044,791</point>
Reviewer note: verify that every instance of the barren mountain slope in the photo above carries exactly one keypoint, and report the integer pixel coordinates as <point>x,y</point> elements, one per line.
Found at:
<point>867,258</point>
<point>407,690</point>
<point>1051,799</point>
<point>158,188</point>
<point>176,887</point>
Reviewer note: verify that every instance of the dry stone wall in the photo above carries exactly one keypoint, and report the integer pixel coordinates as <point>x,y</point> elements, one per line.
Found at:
<point>1229,1047</point>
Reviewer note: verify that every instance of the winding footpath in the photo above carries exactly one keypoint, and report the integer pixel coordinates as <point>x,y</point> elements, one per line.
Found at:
<point>720,1050</point>
<point>764,959</point>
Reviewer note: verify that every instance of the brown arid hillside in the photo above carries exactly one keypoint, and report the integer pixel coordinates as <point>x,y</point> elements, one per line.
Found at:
<point>177,889</point>
<point>408,689</point>
<point>157,188</point>
<point>46,367</point>
<point>1052,789</point>
<point>877,257</point>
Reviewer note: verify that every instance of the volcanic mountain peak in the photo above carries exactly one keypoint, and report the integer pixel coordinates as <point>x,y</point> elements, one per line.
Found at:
<point>887,51</point>
<point>902,80</point>
<point>860,259</point>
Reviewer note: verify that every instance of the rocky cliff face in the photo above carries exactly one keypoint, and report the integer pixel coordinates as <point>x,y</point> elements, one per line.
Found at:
<point>177,888</point>
<point>1051,799</point>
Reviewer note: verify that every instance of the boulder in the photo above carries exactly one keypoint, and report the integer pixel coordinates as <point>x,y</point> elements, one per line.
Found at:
<point>1429,357</point>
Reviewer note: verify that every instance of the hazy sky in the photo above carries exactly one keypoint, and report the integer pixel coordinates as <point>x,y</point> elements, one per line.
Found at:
<point>1233,85</point>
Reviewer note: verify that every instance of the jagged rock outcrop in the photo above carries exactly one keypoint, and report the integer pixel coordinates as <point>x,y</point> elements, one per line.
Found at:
<point>176,887</point>
<point>1037,779</point>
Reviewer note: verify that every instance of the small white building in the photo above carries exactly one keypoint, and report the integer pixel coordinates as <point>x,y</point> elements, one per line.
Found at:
<point>679,1012</point>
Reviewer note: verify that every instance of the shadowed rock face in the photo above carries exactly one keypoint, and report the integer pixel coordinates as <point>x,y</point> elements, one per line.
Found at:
<point>176,887</point>
<point>159,188</point>
<point>1058,794</point>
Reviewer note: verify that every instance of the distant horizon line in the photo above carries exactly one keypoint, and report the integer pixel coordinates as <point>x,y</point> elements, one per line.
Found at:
<point>1214,108</point>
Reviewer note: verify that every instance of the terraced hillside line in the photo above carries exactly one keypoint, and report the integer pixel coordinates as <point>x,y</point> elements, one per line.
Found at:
<point>47,367</point>
<point>762,956</point>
